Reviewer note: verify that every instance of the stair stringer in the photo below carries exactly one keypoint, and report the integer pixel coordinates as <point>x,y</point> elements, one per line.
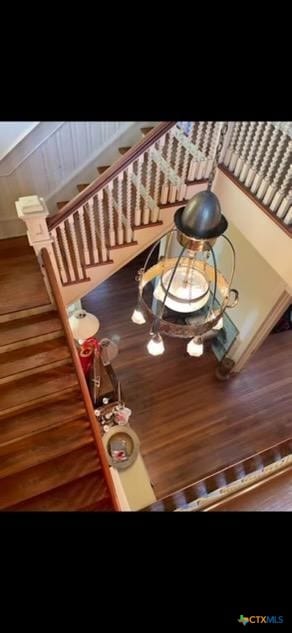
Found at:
<point>143,237</point>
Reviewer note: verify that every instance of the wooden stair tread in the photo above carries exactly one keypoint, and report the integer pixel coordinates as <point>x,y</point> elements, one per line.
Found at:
<point>146,130</point>
<point>102,168</point>
<point>88,492</point>
<point>62,203</point>
<point>29,327</point>
<point>47,476</point>
<point>21,283</point>
<point>25,389</point>
<point>124,150</point>
<point>37,355</point>
<point>62,406</point>
<point>44,446</point>
<point>82,186</point>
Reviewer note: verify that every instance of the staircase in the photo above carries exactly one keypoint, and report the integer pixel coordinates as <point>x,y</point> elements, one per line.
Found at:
<point>49,453</point>
<point>131,204</point>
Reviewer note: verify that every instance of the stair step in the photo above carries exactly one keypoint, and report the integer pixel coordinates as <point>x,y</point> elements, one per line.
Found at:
<point>22,314</point>
<point>26,390</point>
<point>64,406</point>
<point>61,204</point>
<point>89,492</point>
<point>48,476</point>
<point>31,357</point>
<point>124,150</point>
<point>146,130</point>
<point>41,447</point>
<point>15,333</point>
<point>32,371</point>
<point>82,186</point>
<point>102,169</point>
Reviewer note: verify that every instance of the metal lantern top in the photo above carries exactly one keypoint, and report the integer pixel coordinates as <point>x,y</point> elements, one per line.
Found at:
<point>201,218</point>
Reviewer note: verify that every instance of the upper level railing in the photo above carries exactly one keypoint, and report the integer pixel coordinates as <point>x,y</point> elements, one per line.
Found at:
<point>232,480</point>
<point>156,172</point>
<point>259,156</point>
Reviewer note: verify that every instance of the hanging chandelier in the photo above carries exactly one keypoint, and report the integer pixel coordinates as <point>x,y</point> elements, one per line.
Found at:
<point>186,296</point>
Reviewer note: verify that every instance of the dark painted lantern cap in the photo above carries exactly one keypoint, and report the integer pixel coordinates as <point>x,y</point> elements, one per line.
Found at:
<point>201,218</point>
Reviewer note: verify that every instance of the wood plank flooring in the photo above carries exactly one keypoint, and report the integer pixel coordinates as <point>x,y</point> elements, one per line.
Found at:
<point>189,423</point>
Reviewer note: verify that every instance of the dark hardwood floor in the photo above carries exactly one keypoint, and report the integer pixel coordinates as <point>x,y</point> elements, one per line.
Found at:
<point>189,423</point>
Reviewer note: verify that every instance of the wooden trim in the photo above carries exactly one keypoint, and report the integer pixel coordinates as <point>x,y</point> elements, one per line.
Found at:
<point>169,502</point>
<point>117,246</point>
<point>259,204</point>
<point>147,226</point>
<point>239,493</point>
<point>102,180</point>
<point>80,375</point>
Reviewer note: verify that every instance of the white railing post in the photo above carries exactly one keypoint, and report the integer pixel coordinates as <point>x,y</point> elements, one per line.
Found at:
<point>33,211</point>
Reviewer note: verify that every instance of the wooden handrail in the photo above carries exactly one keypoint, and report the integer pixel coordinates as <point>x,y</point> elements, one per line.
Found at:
<point>168,503</point>
<point>109,174</point>
<point>80,375</point>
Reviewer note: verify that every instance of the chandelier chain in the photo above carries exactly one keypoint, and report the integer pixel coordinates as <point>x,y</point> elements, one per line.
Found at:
<point>223,131</point>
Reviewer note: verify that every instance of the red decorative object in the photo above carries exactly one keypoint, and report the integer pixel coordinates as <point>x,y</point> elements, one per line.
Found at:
<point>86,353</point>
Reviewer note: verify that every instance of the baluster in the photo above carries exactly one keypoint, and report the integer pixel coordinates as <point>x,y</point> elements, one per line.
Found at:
<point>156,194</point>
<point>238,145</point>
<point>101,227</point>
<point>67,251</point>
<point>181,193</point>
<point>231,146</point>
<point>72,229</point>
<point>262,133</point>
<point>204,163</point>
<point>284,206</point>
<point>165,187</point>
<point>288,216</point>
<point>59,257</point>
<point>109,191</point>
<point>272,188</point>
<point>279,195</point>
<point>241,160</point>
<point>138,194</point>
<point>246,173</point>
<point>90,213</point>
<point>212,151</point>
<point>258,186</point>
<point>173,189</point>
<point>129,231</point>
<point>195,163</point>
<point>84,236</point>
<point>146,210</point>
<point>120,208</point>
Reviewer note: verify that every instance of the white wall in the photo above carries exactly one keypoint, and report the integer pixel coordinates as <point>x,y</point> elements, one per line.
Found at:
<point>12,132</point>
<point>258,284</point>
<point>268,239</point>
<point>47,159</point>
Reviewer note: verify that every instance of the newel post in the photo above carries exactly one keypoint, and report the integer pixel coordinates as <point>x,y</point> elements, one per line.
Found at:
<point>33,211</point>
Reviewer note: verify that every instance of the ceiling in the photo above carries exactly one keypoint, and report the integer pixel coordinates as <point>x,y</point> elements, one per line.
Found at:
<point>11,132</point>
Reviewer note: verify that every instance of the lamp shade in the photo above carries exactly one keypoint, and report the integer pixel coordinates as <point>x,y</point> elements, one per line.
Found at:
<point>83,325</point>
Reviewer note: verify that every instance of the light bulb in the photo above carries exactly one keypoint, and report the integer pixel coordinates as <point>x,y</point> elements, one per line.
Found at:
<point>195,347</point>
<point>138,317</point>
<point>155,346</point>
<point>219,324</point>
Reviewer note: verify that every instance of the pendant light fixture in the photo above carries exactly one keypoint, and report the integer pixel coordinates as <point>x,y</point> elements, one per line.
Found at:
<point>186,296</point>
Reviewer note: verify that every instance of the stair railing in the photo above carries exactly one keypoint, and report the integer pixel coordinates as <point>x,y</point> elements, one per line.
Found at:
<point>229,481</point>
